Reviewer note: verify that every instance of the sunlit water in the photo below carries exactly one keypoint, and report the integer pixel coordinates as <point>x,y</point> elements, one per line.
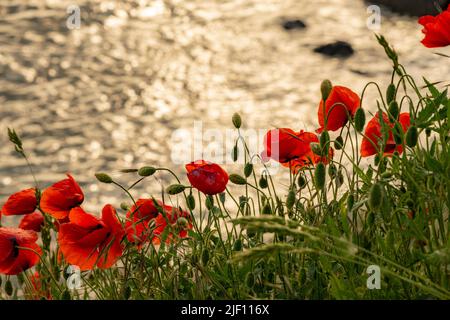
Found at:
<point>109,95</point>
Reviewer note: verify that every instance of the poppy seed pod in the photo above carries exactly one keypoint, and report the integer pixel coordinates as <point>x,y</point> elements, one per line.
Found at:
<point>360,119</point>
<point>237,121</point>
<point>325,89</point>
<point>375,196</point>
<point>412,136</point>
<point>319,176</point>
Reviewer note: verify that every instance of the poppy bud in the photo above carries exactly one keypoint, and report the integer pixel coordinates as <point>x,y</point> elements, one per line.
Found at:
<point>248,169</point>
<point>190,200</point>
<point>175,189</point>
<point>332,170</point>
<point>338,143</point>
<point>315,148</point>
<point>9,288</point>
<point>237,179</point>
<point>234,153</point>
<point>390,93</point>
<point>124,206</point>
<point>375,196</point>
<point>103,177</point>
<point>237,245</point>
<point>325,89</point>
<point>129,170</point>
<point>394,110</point>
<point>205,257</point>
<point>263,183</point>
<point>290,201</point>
<point>146,171</point>
<point>398,134</point>
<point>250,280</point>
<point>412,136</point>
<point>428,132</point>
<point>386,175</point>
<point>350,202</point>
<point>267,209</point>
<point>319,176</point>
<point>209,202</point>
<point>360,119</point>
<point>237,121</point>
<point>325,141</point>
<point>222,197</point>
<point>301,181</point>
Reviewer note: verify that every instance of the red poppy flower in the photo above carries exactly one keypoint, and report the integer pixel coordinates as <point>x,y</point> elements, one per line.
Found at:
<point>283,145</point>
<point>18,250</point>
<point>436,29</point>
<point>33,221</point>
<point>138,219</point>
<point>174,218</point>
<point>61,197</point>
<point>291,149</point>
<point>308,157</point>
<point>340,104</point>
<point>23,202</point>
<point>207,177</point>
<point>373,134</point>
<point>87,241</point>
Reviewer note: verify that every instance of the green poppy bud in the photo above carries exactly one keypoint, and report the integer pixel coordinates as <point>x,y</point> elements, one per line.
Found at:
<point>267,209</point>
<point>103,177</point>
<point>390,93</point>
<point>237,245</point>
<point>9,288</point>
<point>316,149</point>
<point>339,143</point>
<point>237,121</point>
<point>146,171</point>
<point>124,206</point>
<point>248,169</point>
<point>324,141</point>
<point>360,119</point>
<point>325,89</point>
<point>209,202</point>
<point>412,136</point>
<point>290,201</point>
<point>350,202</point>
<point>235,153</point>
<point>398,134</point>
<point>375,196</point>
<point>263,184</point>
<point>394,111</point>
<point>332,170</point>
<point>319,176</point>
<point>190,200</point>
<point>237,179</point>
<point>175,189</point>
<point>301,181</point>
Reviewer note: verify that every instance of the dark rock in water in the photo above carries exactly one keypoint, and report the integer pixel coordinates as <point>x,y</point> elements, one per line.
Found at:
<point>293,24</point>
<point>338,49</point>
<point>412,7</point>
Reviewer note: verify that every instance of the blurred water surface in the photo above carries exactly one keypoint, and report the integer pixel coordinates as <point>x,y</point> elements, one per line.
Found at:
<point>109,95</point>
